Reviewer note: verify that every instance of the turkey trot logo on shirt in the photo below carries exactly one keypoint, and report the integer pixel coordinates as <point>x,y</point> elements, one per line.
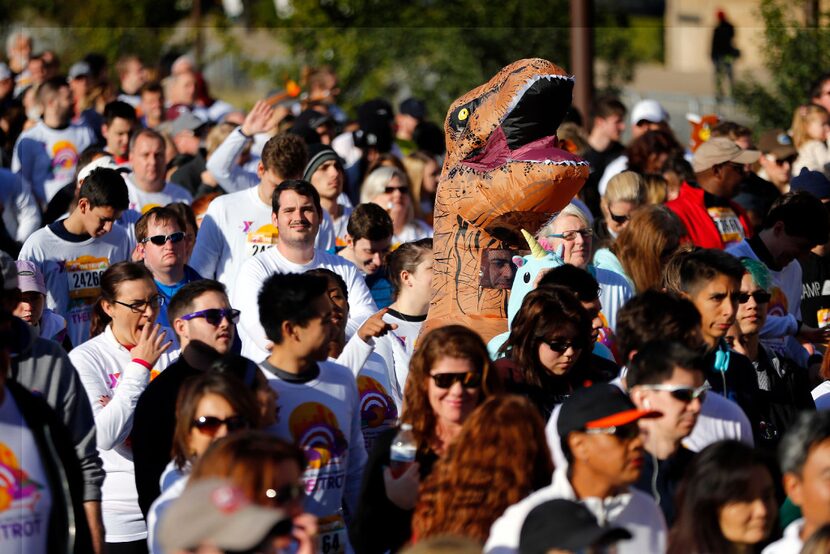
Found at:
<point>377,409</point>
<point>16,488</point>
<point>315,429</point>
<point>778,305</point>
<point>64,157</point>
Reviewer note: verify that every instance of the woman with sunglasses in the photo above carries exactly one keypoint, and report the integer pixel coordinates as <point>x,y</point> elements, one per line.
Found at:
<point>548,352</point>
<point>726,502</point>
<point>643,247</point>
<point>269,472</point>
<point>127,347</point>
<point>388,187</point>
<point>210,406</point>
<point>569,234</point>
<point>449,376</point>
<point>474,483</point>
<point>783,386</point>
<point>625,193</point>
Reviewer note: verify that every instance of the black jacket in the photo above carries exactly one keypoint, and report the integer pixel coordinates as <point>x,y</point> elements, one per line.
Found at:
<point>153,426</point>
<point>660,479</point>
<point>68,529</point>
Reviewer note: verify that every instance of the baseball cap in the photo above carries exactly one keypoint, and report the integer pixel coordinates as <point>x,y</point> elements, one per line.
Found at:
<point>8,271</point>
<point>720,150</point>
<point>375,110</point>
<point>29,277</point>
<point>561,524</point>
<point>5,72</point>
<point>777,143</point>
<point>648,110</point>
<point>186,122</point>
<point>78,69</point>
<point>413,107</point>
<point>598,407</point>
<point>215,511</point>
<point>814,182</point>
<point>312,118</point>
<point>102,161</point>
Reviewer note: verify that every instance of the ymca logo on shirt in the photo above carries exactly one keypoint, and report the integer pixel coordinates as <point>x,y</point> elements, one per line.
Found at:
<point>377,409</point>
<point>727,223</point>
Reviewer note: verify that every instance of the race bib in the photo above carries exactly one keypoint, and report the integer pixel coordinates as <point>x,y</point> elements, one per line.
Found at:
<point>257,242</point>
<point>728,224</point>
<point>332,533</point>
<point>823,317</point>
<point>84,278</point>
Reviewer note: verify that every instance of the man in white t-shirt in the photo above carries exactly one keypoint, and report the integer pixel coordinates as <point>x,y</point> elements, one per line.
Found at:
<point>46,155</point>
<point>72,253</point>
<point>296,215</point>
<point>804,454</point>
<point>146,183</point>
<point>318,400</point>
<point>238,226</point>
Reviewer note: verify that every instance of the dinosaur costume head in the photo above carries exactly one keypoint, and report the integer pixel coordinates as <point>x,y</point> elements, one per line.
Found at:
<point>503,172</point>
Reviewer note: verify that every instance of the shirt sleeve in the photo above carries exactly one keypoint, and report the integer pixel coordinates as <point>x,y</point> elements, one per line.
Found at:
<point>26,209</point>
<point>361,304</point>
<point>209,244</point>
<point>245,295</point>
<point>222,164</point>
<point>114,421</point>
<point>357,455</point>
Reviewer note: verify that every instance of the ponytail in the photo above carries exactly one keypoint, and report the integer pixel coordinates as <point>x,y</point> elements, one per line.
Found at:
<point>100,318</point>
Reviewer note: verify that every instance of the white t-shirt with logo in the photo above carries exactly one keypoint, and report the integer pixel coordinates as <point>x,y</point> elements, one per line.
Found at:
<point>46,158</point>
<point>25,497</point>
<point>322,417</point>
<point>236,227</point>
<point>72,271</point>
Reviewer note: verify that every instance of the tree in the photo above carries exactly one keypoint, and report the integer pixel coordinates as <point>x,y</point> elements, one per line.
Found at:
<point>795,55</point>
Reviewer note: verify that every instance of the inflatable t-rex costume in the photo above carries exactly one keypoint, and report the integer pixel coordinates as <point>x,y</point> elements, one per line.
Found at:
<point>503,172</point>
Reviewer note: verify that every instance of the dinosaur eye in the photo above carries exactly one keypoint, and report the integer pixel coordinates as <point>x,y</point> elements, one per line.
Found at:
<point>463,114</point>
<point>526,277</point>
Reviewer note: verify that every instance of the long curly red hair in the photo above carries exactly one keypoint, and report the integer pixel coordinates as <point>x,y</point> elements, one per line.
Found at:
<point>500,456</point>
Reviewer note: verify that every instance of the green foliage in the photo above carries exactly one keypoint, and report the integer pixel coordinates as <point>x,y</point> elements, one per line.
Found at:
<point>794,55</point>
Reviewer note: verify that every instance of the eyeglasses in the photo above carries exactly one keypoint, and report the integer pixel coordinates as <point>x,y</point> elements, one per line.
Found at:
<point>780,163</point>
<point>560,346</point>
<point>625,432</point>
<point>619,219</point>
<point>159,240</point>
<point>391,190</point>
<point>760,297</point>
<point>681,393</point>
<point>468,380</point>
<point>142,305</point>
<point>571,235</point>
<point>214,316</point>
<point>288,493</point>
<point>210,425</point>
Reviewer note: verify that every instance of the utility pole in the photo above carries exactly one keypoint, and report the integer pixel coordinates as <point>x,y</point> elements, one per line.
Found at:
<point>582,54</point>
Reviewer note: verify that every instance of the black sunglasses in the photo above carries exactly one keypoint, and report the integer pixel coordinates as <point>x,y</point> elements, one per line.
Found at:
<point>159,240</point>
<point>468,380</point>
<point>391,190</point>
<point>760,297</point>
<point>209,425</point>
<point>288,493</point>
<point>560,346</point>
<point>619,219</point>
<point>214,316</point>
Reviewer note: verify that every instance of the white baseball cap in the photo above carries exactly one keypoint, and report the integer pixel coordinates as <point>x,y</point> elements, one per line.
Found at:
<point>648,110</point>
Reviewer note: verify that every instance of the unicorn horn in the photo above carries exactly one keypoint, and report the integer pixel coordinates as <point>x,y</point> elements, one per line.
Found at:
<point>535,248</point>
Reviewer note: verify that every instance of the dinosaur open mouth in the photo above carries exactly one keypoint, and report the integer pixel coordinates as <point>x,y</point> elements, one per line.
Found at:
<point>528,131</point>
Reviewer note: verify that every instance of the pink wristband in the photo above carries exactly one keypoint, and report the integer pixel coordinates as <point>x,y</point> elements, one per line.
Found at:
<point>144,363</point>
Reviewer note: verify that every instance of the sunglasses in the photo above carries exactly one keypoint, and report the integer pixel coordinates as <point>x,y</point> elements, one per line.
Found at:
<point>288,493</point>
<point>214,316</point>
<point>625,432</point>
<point>468,380</point>
<point>210,425</point>
<point>571,235</point>
<point>391,190</point>
<point>560,346</point>
<point>681,393</point>
<point>619,219</point>
<point>760,297</point>
<point>160,240</point>
<point>142,305</point>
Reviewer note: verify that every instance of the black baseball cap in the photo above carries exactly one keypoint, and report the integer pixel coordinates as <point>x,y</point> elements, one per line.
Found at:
<point>598,407</point>
<point>565,525</point>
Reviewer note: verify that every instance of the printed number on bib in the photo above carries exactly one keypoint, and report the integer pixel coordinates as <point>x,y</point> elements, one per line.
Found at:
<point>257,242</point>
<point>728,224</point>
<point>333,536</point>
<point>84,277</point>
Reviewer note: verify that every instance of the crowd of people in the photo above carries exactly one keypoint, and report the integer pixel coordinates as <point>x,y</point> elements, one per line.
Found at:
<point>211,331</point>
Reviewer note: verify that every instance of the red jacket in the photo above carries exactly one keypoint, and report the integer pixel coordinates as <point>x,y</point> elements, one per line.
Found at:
<point>691,209</point>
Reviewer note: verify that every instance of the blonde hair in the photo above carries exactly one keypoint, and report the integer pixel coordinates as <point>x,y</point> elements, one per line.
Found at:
<point>415,164</point>
<point>376,182</point>
<point>657,188</point>
<point>217,135</point>
<point>801,119</point>
<point>569,210</point>
<point>627,186</point>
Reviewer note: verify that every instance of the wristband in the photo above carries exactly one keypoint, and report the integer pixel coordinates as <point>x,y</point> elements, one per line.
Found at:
<point>144,363</point>
<point>243,134</point>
